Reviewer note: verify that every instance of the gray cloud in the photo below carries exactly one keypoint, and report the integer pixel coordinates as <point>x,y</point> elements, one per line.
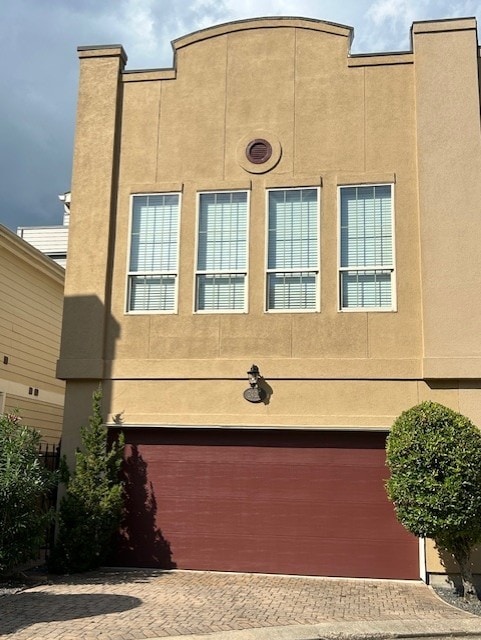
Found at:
<point>38,84</point>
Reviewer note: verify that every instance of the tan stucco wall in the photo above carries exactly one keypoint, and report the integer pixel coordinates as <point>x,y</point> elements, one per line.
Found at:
<point>343,404</point>
<point>449,195</point>
<point>339,120</point>
<point>332,123</point>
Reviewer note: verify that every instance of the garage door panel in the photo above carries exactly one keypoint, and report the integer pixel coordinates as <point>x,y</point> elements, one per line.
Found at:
<point>295,502</point>
<point>345,485</point>
<point>334,557</point>
<point>238,477</point>
<point>235,487</point>
<point>318,455</point>
<point>257,518</point>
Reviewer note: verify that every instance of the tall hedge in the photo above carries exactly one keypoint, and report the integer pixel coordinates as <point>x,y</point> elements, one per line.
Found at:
<point>24,486</point>
<point>434,455</point>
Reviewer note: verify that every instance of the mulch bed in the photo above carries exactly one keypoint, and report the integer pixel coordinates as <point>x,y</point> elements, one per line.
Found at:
<point>453,597</point>
<point>21,581</point>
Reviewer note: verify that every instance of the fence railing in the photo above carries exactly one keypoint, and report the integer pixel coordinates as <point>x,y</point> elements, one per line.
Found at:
<point>49,455</point>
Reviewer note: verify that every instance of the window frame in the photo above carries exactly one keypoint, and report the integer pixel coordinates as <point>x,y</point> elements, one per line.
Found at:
<point>198,272</point>
<point>316,271</point>
<point>131,273</point>
<point>391,268</point>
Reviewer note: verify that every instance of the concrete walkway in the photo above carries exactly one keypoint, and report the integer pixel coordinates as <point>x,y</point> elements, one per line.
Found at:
<point>140,604</point>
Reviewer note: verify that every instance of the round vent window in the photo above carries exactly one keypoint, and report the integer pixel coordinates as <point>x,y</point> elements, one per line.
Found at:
<point>258,151</point>
<point>255,154</point>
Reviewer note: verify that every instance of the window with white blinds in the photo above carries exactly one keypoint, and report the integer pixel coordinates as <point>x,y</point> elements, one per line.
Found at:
<point>222,251</point>
<point>366,250</point>
<point>293,250</point>
<point>154,243</point>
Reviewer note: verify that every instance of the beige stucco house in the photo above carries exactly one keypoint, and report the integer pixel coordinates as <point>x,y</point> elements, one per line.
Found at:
<point>31,294</point>
<point>274,200</point>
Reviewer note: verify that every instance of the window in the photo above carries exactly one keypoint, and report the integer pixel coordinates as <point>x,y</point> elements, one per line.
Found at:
<point>222,252</point>
<point>293,250</point>
<point>154,244</point>
<point>366,251</point>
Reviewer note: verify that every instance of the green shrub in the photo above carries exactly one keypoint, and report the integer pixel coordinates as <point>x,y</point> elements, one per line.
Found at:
<point>434,455</point>
<point>91,509</point>
<point>24,485</point>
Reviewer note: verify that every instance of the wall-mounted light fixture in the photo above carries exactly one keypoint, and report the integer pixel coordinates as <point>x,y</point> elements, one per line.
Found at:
<point>254,393</point>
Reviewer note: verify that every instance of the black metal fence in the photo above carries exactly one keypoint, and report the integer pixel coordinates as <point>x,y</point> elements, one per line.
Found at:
<point>49,455</point>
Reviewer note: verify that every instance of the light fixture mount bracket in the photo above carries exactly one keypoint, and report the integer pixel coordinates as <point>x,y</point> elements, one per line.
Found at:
<point>254,393</point>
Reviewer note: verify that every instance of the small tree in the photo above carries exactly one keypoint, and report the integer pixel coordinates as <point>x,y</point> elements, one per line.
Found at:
<point>91,509</point>
<point>24,483</point>
<point>434,455</point>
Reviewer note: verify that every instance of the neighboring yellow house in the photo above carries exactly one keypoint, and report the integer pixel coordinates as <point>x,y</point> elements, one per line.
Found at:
<point>31,294</point>
<point>275,201</point>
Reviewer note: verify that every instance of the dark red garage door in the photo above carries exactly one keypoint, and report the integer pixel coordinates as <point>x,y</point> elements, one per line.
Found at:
<point>294,502</point>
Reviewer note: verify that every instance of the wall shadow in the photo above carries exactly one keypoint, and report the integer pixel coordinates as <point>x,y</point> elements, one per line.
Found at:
<point>268,390</point>
<point>89,337</point>
<point>140,542</point>
<point>105,576</point>
<point>453,576</point>
<point>25,609</point>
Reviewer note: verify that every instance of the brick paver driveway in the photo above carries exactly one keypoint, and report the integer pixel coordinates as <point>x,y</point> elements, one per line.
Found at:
<point>131,605</point>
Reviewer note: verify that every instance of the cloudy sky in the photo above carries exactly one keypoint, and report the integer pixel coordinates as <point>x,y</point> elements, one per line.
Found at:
<point>38,82</point>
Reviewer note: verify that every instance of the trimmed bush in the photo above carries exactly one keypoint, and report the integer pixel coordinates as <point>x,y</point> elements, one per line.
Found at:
<point>434,455</point>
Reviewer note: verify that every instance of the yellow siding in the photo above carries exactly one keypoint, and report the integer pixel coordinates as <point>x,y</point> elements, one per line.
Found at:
<point>31,294</point>
<point>47,418</point>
